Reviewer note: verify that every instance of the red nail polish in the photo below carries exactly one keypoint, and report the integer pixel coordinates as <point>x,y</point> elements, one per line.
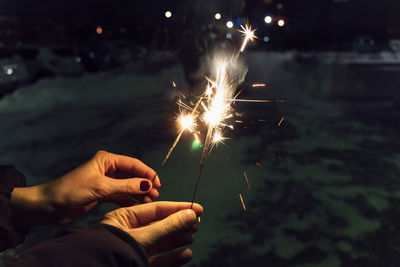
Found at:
<point>144,185</point>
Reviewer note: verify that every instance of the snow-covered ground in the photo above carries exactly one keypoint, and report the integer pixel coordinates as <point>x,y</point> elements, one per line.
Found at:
<point>327,193</point>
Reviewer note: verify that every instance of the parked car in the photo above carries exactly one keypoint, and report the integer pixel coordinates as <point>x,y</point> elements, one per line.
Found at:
<point>63,61</point>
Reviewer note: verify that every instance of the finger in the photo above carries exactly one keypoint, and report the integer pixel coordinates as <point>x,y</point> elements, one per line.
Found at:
<point>177,241</point>
<point>153,193</point>
<point>157,182</point>
<point>172,259</point>
<point>153,234</point>
<point>115,162</point>
<point>133,186</point>
<point>147,199</point>
<point>159,210</point>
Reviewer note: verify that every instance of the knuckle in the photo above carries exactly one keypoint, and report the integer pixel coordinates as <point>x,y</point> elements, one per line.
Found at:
<point>101,153</point>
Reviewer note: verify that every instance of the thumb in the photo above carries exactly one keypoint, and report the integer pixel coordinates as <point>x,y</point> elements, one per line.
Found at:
<point>131,186</point>
<point>151,235</point>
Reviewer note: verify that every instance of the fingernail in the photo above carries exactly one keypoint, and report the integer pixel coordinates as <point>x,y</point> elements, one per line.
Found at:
<point>144,185</point>
<point>188,237</point>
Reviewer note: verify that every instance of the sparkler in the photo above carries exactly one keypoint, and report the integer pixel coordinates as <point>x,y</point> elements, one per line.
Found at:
<point>220,95</point>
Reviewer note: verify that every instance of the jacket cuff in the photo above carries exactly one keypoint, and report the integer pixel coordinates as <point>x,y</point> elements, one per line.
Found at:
<point>10,236</point>
<point>130,240</point>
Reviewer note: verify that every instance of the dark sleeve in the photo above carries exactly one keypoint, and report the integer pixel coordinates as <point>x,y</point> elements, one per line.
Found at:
<point>101,245</point>
<point>9,235</point>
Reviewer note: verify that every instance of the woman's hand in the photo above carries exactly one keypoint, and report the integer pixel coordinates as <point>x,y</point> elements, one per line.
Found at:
<point>159,227</point>
<point>106,177</point>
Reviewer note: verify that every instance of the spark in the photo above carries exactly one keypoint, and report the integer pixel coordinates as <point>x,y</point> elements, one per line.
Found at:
<point>196,137</point>
<point>280,122</point>
<point>173,84</point>
<point>241,200</point>
<point>187,122</point>
<point>247,180</point>
<point>258,85</point>
<point>259,164</point>
<point>182,130</point>
<point>248,36</point>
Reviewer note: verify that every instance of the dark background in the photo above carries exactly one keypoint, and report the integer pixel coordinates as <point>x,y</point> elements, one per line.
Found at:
<point>80,76</point>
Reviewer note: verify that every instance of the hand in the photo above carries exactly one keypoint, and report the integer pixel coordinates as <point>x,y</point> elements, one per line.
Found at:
<point>159,227</point>
<point>106,177</point>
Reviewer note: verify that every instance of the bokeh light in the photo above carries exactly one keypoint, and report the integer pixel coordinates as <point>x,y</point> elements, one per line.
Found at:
<point>268,19</point>
<point>99,30</point>
<point>229,24</point>
<point>217,16</point>
<point>168,14</point>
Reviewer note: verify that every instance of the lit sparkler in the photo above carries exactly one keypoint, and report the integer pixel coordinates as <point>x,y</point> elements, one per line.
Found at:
<point>216,101</point>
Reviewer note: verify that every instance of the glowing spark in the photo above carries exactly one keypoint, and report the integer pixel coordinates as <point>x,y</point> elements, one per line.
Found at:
<point>173,84</point>
<point>247,180</point>
<point>187,122</point>
<point>258,85</point>
<point>199,219</point>
<point>259,164</point>
<point>248,36</point>
<point>241,199</point>
<point>280,122</point>
<point>218,138</point>
<point>196,137</point>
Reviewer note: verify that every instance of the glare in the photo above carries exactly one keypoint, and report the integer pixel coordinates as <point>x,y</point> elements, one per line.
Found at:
<point>217,16</point>
<point>281,23</point>
<point>10,71</point>
<point>268,19</point>
<point>229,24</point>
<point>168,14</point>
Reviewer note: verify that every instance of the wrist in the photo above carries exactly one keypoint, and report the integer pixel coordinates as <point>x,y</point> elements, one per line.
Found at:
<point>30,205</point>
